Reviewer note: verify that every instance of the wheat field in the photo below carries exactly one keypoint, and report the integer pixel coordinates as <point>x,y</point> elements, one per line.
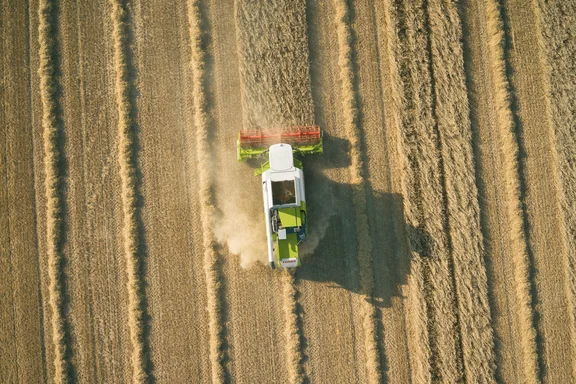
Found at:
<point>442,213</point>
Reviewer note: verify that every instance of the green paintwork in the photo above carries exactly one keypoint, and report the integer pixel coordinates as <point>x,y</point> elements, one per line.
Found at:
<point>248,153</point>
<point>288,248</point>
<point>290,217</point>
<point>262,169</point>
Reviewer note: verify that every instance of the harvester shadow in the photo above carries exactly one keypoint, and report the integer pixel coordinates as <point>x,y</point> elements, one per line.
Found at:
<point>330,257</point>
<point>333,220</point>
<point>332,254</point>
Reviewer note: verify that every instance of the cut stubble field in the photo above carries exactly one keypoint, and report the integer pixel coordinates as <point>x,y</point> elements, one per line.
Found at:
<point>132,244</point>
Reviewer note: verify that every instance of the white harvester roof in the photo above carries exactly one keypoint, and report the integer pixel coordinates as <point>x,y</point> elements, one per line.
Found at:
<point>281,158</point>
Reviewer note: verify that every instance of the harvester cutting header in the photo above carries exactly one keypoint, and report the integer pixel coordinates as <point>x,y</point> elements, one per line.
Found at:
<point>282,186</point>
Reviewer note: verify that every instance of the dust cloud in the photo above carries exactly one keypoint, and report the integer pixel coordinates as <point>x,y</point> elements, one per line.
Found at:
<point>239,225</point>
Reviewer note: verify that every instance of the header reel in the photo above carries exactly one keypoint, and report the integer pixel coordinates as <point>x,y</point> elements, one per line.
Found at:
<point>305,140</point>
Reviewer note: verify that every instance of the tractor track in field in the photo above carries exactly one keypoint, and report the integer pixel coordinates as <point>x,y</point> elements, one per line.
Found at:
<point>52,137</point>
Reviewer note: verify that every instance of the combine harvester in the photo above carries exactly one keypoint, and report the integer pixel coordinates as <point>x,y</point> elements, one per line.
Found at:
<point>282,186</point>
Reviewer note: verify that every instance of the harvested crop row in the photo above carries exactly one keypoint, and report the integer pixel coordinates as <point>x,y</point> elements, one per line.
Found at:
<point>293,332</point>
<point>354,134</point>
<point>273,51</point>
<point>127,162</point>
<point>424,201</point>
<point>51,125</point>
<point>211,267</point>
<point>559,22</point>
<point>451,111</point>
<point>498,165</point>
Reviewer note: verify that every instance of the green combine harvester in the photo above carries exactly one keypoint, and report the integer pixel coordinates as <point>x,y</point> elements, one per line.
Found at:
<point>282,186</point>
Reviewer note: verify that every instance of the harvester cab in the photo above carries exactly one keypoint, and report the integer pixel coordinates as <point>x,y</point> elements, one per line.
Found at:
<point>282,186</point>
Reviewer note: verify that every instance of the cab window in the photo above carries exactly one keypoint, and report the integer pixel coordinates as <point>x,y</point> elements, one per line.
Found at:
<point>283,192</point>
